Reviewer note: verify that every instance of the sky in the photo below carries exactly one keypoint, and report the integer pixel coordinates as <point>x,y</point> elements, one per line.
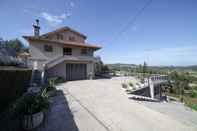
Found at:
<point>164,33</point>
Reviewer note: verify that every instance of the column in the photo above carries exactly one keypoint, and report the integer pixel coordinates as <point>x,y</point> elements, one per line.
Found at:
<point>151,86</point>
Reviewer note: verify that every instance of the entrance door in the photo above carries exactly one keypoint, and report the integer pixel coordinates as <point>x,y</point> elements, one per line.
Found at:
<point>76,71</point>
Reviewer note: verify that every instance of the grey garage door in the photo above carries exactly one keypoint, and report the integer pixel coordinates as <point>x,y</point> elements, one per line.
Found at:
<point>76,71</point>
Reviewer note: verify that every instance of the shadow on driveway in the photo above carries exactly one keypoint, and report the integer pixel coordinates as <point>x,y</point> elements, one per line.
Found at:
<point>59,117</point>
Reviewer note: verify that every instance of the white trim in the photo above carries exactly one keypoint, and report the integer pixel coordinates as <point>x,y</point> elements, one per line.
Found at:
<point>70,58</point>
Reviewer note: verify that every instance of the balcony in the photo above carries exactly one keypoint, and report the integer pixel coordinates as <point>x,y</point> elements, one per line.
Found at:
<point>69,58</point>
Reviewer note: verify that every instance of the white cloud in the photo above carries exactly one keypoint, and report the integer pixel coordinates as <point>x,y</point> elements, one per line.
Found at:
<point>134,28</point>
<point>72,4</point>
<point>54,20</point>
<point>185,55</point>
<point>182,55</point>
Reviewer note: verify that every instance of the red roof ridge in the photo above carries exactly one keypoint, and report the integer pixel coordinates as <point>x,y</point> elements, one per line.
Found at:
<point>69,43</point>
<point>65,28</point>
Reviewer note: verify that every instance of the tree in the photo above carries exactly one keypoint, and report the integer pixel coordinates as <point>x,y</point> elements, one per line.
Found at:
<point>105,69</point>
<point>16,44</point>
<point>9,50</point>
<point>100,68</point>
<point>144,68</point>
<point>179,83</point>
<point>139,70</point>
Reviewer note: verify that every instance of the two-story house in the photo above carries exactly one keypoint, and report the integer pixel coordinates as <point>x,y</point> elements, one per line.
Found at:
<point>63,52</point>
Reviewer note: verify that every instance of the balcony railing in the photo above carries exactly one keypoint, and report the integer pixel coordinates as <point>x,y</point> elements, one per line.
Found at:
<point>70,58</point>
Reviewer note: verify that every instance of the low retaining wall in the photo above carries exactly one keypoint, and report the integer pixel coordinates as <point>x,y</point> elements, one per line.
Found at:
<point>142,92</point>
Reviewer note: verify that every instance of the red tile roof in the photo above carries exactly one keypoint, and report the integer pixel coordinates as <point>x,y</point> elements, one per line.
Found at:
<point>66,43</point>
<point>66,28</point>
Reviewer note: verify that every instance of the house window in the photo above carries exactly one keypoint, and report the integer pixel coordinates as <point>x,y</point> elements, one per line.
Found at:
<point>67,51</point>
<point>48,48</point>
<point>71,38</point>
<point>59,37</point>
<point>84,51</point>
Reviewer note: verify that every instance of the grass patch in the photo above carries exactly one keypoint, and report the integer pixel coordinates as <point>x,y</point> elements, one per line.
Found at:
<point>131,84</point>
<point>190,102</point>
<point>193,106</point>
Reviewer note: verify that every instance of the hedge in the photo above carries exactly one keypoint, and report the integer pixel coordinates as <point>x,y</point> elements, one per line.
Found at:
<point>13,83</point>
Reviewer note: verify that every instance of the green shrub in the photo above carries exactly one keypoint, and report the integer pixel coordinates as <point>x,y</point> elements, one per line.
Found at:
<point>59,80</point>
<point>31,104</point>
<point>124,85</point>
<point>193,94</point>
<point>53,81</point>
<point>138,84</point>
<point>50,85</point>
<point>131,84</point>
<point>193,106</point>
<point>56,80</point>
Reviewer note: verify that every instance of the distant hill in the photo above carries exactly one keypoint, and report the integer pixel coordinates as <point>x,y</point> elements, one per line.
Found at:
<point>122,66</point>
<point>192,67</point>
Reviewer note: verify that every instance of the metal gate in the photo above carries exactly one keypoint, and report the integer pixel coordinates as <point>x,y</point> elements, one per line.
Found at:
<point>76,71</point>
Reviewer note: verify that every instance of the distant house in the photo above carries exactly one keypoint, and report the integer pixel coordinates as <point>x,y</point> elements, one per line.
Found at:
<point>62,53</point>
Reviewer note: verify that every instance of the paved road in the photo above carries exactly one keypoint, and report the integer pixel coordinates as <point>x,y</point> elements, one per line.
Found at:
<point>102,105</point>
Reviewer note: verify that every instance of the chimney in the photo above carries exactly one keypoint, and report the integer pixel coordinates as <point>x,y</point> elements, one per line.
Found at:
<point>36,28</point>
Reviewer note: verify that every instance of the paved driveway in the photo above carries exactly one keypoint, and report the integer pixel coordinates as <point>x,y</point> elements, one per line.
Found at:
<point>102,105</point>
<point>175,110</point>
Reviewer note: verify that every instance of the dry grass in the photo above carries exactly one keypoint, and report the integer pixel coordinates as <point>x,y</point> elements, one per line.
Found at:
<point>190,102</point>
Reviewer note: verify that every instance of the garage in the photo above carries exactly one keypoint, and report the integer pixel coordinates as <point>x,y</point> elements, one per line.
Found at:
<point>76,71</point>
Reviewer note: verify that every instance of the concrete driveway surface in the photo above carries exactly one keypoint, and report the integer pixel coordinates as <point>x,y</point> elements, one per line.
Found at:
<point>102,105</point>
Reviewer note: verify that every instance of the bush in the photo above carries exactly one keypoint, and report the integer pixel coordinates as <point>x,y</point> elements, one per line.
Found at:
<point>31,104</point>
<point>193,94</point>
<point>14,82</point>
<point>51,82</point>
<point>124,85</point>
<point>59,80</point>
<point>131,84</point>
<point>193,106</point>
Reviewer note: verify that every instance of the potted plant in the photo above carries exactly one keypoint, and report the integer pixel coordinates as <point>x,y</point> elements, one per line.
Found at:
<point>32,108</point>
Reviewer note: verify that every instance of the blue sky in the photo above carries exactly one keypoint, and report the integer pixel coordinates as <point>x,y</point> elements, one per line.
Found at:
<point>164,34</point>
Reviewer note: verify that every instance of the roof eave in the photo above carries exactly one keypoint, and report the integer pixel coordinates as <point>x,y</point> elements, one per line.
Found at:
<point>65,28</point>
<point>32,38</point>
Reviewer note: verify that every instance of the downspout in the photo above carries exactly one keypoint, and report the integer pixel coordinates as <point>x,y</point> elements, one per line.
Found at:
<point>43,74</point>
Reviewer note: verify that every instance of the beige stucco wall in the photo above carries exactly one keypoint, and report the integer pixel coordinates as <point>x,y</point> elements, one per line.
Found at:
<point>59,70</point>
<point>42,57</point>
<point>38,53</point>
<point>66,35</point>
<point>90,69</point>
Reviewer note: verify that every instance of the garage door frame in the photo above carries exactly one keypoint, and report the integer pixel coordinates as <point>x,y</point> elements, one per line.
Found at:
<point>76,71</point>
